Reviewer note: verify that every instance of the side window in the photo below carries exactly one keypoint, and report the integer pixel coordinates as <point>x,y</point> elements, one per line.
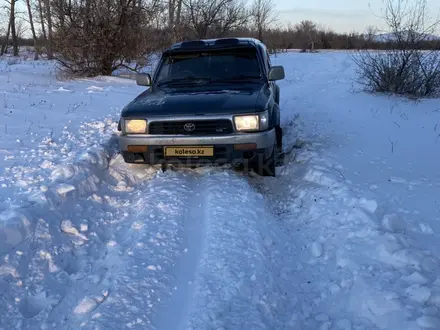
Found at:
<point>266,68</point>
<point>268,60</point>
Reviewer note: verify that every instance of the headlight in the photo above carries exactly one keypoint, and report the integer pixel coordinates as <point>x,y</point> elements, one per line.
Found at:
<point>136,126</point>
<point>247,123</point>
<point>257,122</point>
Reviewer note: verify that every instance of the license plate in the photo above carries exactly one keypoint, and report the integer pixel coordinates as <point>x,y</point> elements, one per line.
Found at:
<point>203,151</point>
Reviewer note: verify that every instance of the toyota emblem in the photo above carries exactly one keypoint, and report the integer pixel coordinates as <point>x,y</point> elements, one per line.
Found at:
<point>189,127</point>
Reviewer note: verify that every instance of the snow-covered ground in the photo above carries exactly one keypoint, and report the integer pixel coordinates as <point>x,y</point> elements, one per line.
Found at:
<point>347,236</point>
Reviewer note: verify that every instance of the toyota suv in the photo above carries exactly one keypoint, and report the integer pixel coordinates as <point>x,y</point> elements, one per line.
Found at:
<point>208,102</point>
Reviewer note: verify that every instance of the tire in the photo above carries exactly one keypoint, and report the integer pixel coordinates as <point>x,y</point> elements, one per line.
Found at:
<point>267,168</point>
<point>128,157</point>
<point>279,136</point>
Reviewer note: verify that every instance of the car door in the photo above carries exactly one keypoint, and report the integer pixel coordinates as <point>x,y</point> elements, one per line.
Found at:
<point>273,87</point>
<point>273,84</point>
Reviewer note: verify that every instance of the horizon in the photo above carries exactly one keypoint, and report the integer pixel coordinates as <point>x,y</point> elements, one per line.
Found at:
<point>342,16</point>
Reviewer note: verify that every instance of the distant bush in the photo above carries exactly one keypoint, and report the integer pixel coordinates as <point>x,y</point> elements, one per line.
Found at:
<point>403,68</point>
<point>13,60</point>
<point>412,73</point>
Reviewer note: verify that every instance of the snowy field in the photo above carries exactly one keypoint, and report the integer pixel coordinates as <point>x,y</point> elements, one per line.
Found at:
<point>347,236</point>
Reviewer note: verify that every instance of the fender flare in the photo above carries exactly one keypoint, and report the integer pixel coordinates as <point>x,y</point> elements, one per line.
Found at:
<point>275,120</point>
<point>277,94</point>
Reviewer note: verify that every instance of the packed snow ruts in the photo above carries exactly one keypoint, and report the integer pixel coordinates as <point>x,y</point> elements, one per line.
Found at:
<point>107,261</point>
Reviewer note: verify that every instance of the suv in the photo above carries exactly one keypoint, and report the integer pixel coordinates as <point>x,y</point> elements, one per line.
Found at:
<point>209,102</point>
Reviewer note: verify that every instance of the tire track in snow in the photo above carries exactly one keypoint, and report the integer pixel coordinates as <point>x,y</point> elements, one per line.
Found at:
<point>120,259</point>
<point>197,252</point>
<point>240,280</point>
<point>206,257</point>
<point>228,262</point>
<point>176,312</point>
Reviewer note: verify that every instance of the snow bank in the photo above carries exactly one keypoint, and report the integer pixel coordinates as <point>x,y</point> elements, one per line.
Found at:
<point>354,266</point>
<point>68,182</point>
<point>359,200</point>
<point>54,164</point>
<point>52,240</point>
<point>49,150</point>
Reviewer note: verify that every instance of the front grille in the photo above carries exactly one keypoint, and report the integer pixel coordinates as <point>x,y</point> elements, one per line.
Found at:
<point>194,127</point>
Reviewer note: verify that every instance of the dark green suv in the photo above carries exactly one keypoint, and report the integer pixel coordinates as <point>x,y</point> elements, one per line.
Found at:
<point>208,102</point>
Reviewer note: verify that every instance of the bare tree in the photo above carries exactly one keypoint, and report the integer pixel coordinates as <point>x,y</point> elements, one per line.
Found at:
<point>12,27</point>
<point>215,18</point>
<point>41,18</point>
<point>408,22</point>
<point>404,68</point>
<point>263,14</point>
<point>174,18</point>
<point>371,34</point>
<point>49,28</point>
<point>20,27</point>
<point>98,38</point>
<point>59,9</point>
<point>4,48</point>
<point>31,23</point>
<point>174,13</point>
<point>307,31</point>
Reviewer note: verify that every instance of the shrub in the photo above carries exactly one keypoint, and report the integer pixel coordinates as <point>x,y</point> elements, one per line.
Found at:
<point>413,73</point>
<point>404,68</point>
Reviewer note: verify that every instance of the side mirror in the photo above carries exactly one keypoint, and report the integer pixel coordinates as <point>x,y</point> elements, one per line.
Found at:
<point>276,72</point>
<point>143,79</point>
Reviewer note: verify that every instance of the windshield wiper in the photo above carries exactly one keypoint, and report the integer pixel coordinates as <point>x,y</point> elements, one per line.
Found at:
<point>237,78</point>
<point>184,80</point>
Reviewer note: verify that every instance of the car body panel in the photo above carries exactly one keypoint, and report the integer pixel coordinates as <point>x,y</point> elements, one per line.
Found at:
<point>215,99</point>
<point>261,139</point>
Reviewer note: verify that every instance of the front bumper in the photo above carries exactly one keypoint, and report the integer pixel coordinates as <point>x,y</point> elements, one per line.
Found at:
<point>224,148</point>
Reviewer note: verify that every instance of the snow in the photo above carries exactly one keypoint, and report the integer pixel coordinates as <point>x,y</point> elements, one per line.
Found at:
<point>345,237</point>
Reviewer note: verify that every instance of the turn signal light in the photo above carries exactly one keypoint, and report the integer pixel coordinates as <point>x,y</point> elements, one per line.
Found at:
<point>245,146</point>
<point>137,149</point>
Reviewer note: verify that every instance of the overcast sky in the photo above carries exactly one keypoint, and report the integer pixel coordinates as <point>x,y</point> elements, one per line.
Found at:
<point>340,15</point>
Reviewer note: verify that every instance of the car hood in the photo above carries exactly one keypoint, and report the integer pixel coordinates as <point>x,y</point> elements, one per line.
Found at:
<point>197,102</point>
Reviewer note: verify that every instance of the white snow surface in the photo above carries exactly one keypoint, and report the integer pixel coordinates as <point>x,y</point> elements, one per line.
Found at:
<point>347,236</point>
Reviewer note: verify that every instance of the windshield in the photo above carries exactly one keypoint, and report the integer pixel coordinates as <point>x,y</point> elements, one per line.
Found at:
<point>199,67</point>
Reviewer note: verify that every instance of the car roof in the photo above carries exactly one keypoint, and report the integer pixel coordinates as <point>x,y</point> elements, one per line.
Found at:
<point>215,44</point>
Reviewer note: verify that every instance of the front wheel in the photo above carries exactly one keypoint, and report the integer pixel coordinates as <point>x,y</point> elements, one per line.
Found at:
<point>267,167</point>
<point>279,137</point>
<point>277,95</point>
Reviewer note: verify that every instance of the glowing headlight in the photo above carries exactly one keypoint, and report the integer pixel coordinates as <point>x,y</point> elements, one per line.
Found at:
<point>252,122</point>
<point>246,123</point>
<point>135,126</point>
